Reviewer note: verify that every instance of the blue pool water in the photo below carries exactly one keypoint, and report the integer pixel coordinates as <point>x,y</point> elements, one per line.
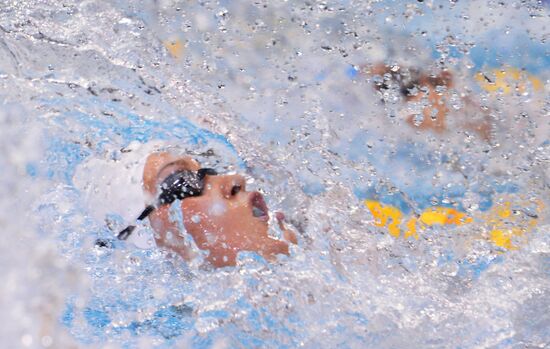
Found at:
<point>280,92</point>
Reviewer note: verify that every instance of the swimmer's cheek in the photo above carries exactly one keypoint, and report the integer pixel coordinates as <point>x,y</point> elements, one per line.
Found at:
<point>167,233</point>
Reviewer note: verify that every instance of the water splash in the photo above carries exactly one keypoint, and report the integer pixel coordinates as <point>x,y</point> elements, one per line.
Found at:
<point>273,84</point>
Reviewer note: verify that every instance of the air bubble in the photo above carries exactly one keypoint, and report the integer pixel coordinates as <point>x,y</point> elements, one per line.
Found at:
<point>196,219</point>
<point>418,119</point>
<point>26,340</point>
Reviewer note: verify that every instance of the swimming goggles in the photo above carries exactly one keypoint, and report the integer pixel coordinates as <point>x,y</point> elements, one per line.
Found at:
<point>177,186</point>
<point>413,80</point>
<point>405,84</point>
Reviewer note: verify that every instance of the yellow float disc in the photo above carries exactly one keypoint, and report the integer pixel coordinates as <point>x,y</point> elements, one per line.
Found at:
<point>502,225</point>
<point>508,80</point>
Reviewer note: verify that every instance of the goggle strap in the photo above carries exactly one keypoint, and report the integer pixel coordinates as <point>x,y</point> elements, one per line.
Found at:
<point>124,234</point>
<point>206,171</point>
<point>146,212</point>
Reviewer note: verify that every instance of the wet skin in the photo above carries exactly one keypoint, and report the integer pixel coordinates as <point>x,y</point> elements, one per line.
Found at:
<point>224,220</point>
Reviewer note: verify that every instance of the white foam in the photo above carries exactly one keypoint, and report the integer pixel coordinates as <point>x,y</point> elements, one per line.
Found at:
<point>113,186</point>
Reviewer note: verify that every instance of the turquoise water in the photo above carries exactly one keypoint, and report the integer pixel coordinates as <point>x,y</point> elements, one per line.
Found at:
<point>279,91</point>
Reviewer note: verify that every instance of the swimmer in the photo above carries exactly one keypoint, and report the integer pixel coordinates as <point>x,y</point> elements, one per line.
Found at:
<point>414,85</point>
<point>221,216</point>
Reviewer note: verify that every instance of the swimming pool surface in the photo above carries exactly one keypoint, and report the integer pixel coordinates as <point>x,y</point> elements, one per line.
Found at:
<point>407,238</point>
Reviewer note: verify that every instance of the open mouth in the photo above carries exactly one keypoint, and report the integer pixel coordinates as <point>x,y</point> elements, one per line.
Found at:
<point>259,208</point>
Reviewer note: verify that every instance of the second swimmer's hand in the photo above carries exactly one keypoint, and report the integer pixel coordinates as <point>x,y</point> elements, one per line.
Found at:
<point>288,234</point>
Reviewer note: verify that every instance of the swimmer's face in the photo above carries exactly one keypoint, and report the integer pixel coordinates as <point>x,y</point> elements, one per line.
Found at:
<point>226,219</point>
<point>414,86</point>
<point>223,220</point>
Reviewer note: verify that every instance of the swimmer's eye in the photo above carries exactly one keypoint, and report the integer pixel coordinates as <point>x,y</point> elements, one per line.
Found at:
<point>235,190</point>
